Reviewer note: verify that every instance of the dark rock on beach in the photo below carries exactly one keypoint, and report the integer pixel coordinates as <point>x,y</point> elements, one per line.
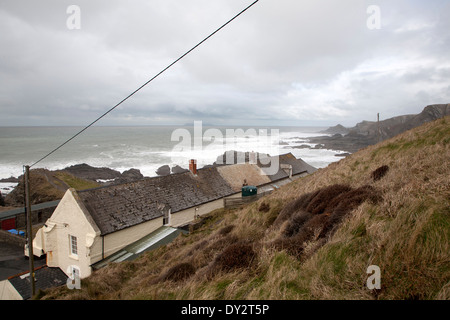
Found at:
<point>351,142</point>
<point>163,170</point>
<point>302,146</point>
<point>10,179</point>
<point>88,172</point>
<point>340,129</point>
<point>178,169</point>
<point>2,200</point>
<point>47,185</point>
<point>345,154</point>
<point>129,176</point>
<point>166,170</point>
<point>104,175</point>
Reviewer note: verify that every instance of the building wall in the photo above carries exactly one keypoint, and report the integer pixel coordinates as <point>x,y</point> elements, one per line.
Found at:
<point>19,220</point>
<point>183,217</point>
<point>37,216</point>
<point>8,292</point>
<point>72,218</point>
<point>68,220</point>
<point>113,242</point>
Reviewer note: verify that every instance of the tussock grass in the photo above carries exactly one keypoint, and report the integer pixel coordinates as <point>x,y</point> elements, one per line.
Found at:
<point>343,218</point>
<point>179,272</point>
<point>75,182</point>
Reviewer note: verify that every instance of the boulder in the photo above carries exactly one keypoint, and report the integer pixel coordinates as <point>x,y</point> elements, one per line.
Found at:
<point>88,172</point>
<point>178,169</point>
<point>163,170</point>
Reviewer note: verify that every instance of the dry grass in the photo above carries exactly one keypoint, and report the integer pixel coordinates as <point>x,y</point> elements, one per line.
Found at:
<point>179,272</point>
<point>379,173</point>
<point>344,218</point>
<point>41,189</point>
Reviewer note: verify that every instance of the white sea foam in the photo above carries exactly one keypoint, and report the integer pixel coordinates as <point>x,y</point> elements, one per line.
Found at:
<point>148,148</point>
<point>7,187</point>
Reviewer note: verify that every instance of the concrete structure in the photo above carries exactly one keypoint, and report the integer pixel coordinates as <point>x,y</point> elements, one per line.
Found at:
<point>91,225</point>
<point>16,218</point>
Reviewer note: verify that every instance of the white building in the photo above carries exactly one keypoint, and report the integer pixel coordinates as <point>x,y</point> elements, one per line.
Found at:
<point>91,225</point>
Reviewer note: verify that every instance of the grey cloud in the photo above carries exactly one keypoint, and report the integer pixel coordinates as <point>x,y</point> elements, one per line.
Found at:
<point>286,61</point>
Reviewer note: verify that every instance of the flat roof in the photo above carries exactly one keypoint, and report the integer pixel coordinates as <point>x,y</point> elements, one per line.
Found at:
<point>34,207</point>
<point>154,240</point>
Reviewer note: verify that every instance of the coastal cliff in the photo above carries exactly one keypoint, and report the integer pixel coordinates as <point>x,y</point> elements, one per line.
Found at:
<point>368,133</point>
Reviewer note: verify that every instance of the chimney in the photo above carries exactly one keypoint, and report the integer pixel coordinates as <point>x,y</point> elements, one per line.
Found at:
<point>193,166</point>
<point>287,168</point>
<point>252,158</point>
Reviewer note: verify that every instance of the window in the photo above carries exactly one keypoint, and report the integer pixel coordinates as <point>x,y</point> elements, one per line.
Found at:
<point>73,245</point>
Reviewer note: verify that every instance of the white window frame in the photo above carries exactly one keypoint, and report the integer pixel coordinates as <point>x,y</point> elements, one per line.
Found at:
<point>73,245</point>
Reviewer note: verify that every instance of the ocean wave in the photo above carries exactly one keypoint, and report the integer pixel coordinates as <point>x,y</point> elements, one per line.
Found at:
<point>124,150</point>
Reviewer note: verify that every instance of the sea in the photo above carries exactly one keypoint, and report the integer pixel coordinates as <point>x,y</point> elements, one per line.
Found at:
<point>147,147</point>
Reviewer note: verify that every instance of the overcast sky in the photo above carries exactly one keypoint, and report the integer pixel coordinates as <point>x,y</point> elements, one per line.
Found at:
<point>283,62</point>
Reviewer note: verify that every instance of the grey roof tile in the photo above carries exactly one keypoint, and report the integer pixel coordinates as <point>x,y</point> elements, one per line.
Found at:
<point>45,278</point>
<point>117,207</point>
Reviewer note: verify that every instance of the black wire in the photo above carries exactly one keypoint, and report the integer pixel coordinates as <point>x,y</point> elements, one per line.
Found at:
<point>142,86</point>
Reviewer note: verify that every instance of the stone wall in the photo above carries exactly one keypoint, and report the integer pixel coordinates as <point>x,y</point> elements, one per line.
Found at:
<point>8,237</point>
<point>37,217</point>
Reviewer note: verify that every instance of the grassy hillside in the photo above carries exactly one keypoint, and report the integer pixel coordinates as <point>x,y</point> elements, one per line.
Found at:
<point>46,185</point>
<point>386,205</point>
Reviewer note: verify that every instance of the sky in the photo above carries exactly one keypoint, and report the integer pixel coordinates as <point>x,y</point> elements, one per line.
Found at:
<point>281,63</point>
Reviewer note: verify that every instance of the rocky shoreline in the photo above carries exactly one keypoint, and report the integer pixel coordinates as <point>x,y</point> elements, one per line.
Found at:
<point>49,185</point>
<point>103,175</point>
<point>348,140</point>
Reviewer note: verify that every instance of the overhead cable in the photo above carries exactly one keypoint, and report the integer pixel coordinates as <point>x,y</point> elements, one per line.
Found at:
<point>146,83</point>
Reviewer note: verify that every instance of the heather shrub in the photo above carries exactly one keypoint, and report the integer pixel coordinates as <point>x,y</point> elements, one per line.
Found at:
<point>296,222</point>
<point>314,216</point>
<point>264,207</point>
<point>320,201</point>
<point>292,207</point>
<point>179,272</point>
<point>226,230</point>
<point>379,173</point>
<point>235,256</point>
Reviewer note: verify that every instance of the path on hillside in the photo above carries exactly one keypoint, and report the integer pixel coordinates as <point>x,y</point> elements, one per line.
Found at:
<point>55,182</point>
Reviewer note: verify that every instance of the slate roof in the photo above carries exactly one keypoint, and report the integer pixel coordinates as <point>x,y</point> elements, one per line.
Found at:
<point>117,207</point>
<point>45,277</point>
<point>236,174</point>
<point>298,166</point>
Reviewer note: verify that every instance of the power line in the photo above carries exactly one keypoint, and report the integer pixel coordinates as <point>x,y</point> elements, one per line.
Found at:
<point>146,83</point>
